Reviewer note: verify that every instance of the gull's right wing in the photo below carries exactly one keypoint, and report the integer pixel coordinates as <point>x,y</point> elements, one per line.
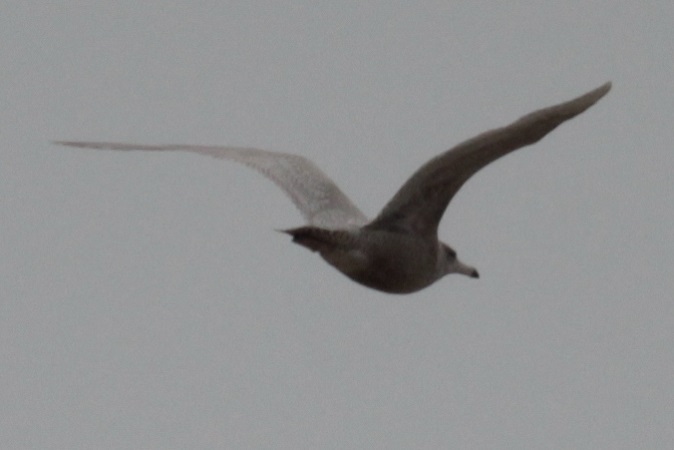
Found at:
<point>316,196</point>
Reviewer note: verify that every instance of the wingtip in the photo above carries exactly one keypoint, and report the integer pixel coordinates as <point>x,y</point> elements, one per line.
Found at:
<point>600,91</point>
<point>583,102</point>
<point>68,143</point>
<point>605,87</point>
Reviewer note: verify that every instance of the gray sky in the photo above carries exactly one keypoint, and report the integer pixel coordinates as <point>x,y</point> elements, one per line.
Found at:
<point>148,303</point>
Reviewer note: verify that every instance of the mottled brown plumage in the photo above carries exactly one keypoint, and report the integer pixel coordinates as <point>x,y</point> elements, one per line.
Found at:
<point>399,251</point>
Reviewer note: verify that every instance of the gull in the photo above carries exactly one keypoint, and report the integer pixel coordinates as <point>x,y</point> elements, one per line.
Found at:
<point>398,251</point>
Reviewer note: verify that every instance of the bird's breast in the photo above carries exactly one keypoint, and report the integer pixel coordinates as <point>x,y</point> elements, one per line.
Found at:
<point>389,262</point>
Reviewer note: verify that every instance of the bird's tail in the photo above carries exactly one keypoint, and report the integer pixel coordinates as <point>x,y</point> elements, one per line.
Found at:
<point>314,238</point>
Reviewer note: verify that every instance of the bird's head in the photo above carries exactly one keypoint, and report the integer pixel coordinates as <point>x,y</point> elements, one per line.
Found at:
<point>451,264</point>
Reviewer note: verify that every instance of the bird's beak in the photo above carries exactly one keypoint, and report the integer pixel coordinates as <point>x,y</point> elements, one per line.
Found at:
<point>464,269</point>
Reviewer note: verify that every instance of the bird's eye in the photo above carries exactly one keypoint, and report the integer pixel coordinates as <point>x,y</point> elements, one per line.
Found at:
<point>450,253</point>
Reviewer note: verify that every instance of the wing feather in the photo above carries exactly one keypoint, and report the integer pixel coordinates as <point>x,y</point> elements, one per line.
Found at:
<point>420,203</point>
<point>315,195</point>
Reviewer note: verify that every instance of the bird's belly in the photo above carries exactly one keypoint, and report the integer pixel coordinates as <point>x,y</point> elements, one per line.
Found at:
<point>396,274</point>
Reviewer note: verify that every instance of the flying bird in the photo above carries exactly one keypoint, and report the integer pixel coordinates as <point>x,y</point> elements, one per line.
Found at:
<point>398,251</point>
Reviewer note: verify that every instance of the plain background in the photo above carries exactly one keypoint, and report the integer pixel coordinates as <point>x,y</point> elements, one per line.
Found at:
<point>146,301</point>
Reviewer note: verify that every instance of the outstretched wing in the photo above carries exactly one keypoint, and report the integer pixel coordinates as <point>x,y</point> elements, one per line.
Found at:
<point>420,203</point>
<point>316,196</point>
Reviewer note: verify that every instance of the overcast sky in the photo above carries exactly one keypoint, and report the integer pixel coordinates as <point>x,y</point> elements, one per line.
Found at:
<point>146,301</point>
